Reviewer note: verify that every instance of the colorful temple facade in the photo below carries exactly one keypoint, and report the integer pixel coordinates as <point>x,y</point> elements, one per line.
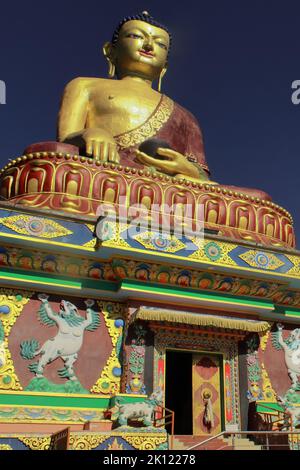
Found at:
<point>96,317</point>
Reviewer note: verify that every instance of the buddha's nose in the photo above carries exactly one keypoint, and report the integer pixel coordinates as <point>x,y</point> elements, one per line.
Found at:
<point>148,44</point>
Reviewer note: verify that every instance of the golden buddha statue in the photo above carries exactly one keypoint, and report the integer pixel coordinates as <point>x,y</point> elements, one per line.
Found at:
<point>121,140</point>
<point>109,119</point>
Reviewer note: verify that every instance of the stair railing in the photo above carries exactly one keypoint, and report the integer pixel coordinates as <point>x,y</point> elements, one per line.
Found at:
<point>167,417</point>
<point>210,439</point>
<point>293,439</point>
<point>283,417</point>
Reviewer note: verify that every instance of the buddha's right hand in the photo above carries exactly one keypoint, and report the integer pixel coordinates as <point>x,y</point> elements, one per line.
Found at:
<point>100,145</point>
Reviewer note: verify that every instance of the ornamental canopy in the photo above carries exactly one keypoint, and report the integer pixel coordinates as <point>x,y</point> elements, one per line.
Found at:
<point>199,319</point>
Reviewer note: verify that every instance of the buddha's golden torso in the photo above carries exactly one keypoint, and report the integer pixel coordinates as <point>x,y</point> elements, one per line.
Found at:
<point>119,106</point>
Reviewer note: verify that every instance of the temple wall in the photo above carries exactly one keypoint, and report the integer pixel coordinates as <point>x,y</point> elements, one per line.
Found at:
<point>270,371</point>
<point>267,369</point>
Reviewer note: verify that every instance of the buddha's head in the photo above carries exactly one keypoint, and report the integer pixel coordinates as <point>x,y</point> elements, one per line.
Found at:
<point>139,47</point>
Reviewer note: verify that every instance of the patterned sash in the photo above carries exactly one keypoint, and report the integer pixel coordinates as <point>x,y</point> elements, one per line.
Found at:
<point>149,128</point>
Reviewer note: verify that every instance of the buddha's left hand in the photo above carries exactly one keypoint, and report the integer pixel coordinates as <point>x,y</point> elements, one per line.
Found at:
<point>174,163</point>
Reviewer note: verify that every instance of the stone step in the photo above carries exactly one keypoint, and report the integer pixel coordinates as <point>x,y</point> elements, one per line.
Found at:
<point>183,442</point>
<point>241,443</point>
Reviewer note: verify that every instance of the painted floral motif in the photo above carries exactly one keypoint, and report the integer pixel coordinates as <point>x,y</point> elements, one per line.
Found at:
<point>137,361</point>
<point>254,370</point>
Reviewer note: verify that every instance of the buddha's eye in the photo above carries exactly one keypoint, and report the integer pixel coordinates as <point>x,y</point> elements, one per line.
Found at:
<point>134,36</point>
<point>162,45</point>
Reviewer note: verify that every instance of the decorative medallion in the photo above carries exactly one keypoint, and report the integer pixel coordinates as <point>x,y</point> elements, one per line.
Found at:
<point>259,259</point>
<point>160,241</point>
<point>106,230</point>
<point>34,226</point>
<point>213,251</point>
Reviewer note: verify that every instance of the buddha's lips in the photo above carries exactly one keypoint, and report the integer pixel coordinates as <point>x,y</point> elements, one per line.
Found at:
<point>146,53</point>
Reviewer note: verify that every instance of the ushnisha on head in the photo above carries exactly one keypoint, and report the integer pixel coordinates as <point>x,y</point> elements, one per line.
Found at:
<point>139,47</point>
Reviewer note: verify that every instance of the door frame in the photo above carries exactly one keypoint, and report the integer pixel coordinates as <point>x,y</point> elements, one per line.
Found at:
<point>207,343</point>
<point>221,372</point>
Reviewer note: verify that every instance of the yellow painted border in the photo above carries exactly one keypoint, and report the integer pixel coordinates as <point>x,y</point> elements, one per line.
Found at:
<point>48,407</point>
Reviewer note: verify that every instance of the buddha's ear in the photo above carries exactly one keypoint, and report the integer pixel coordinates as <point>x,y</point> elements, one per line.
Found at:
<point>108,50</point>
<point>161,76</point>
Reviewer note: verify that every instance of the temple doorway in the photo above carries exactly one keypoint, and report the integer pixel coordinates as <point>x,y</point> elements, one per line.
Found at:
<point>194,391</point>
<point>179,390</point>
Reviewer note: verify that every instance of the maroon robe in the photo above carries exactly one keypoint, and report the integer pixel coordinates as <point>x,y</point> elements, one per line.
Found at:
<point>180,130</point>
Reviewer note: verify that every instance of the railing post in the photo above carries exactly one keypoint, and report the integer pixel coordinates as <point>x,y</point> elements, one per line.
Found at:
<point>172,429</point>
<point>267,442</point>
<point>233,441</point>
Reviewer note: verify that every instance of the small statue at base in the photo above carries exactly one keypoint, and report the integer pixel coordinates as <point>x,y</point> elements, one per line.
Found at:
<point>143,411</point>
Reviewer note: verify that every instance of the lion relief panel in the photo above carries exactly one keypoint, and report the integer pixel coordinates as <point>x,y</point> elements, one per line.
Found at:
<point>60,345</point>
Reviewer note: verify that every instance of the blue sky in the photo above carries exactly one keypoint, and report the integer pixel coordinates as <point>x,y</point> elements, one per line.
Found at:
<point>232,65</point>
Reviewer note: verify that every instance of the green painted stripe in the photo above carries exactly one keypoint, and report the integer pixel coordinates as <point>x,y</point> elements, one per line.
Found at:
<point>59,401</point>
<point>292,313</point>
<point>158,289</point>
<point>63,281</point>
<point>66,401</point>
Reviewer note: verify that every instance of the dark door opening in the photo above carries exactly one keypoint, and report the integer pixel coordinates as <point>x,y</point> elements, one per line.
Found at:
<point>179,390</point>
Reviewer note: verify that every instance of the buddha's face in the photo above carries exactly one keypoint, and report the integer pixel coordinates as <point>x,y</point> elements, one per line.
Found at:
<point>141,50</point>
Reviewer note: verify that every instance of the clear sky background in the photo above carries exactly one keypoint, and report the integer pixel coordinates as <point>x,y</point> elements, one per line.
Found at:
<point>232,65</point>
